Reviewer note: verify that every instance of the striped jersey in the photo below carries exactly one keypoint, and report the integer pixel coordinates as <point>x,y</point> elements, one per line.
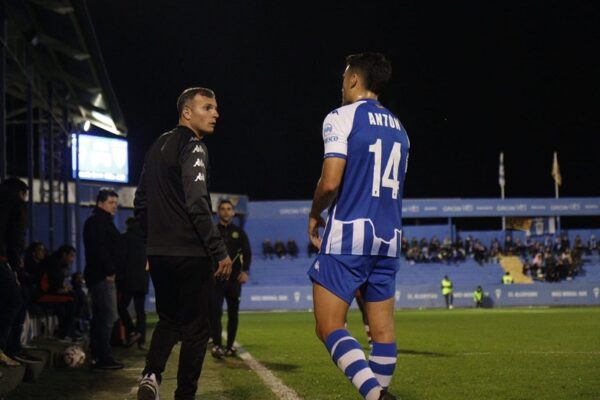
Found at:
<point>366,216</point>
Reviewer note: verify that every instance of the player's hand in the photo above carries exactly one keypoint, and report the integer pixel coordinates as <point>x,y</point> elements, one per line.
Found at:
<point>223,269</point>
<point>314,223</point>
<point>243,277</point>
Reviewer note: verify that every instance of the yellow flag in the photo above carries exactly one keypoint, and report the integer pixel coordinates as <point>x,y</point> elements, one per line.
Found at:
<point>556,171</point>
<point>518,224</point>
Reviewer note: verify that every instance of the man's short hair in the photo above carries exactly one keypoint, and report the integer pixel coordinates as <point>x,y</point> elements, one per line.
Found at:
<point>15,185</point>
<point>188,95</point>
<point>66,249</point>
<point>374,68</point>
<point>104,194</point>
<point>224,201</point>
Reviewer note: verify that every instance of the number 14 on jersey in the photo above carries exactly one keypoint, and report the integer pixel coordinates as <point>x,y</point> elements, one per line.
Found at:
<point>390,174</point>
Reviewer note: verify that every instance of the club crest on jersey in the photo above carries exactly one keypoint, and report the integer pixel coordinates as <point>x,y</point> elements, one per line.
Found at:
<point>327,129</point>
<point>317,266</point>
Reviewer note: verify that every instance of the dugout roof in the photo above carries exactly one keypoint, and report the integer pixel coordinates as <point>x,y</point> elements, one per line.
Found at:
<point>59,39</point>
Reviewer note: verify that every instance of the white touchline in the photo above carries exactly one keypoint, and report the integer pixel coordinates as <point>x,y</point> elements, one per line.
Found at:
<point>282,391</point>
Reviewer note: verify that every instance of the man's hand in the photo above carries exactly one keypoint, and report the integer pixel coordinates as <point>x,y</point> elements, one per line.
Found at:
<point>110,278</point>
<point>224,269</point>
<point>314,222</point>
<point>242,277</point>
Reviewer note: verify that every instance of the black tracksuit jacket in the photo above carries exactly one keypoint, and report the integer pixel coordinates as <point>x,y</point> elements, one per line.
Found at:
<point>172,199</point>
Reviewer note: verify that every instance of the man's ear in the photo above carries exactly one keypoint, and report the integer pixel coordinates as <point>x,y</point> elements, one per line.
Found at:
<point>186,113</point>
<point>354,80</point>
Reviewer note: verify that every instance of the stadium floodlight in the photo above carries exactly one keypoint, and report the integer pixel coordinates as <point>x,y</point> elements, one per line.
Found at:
<point>87,125</point>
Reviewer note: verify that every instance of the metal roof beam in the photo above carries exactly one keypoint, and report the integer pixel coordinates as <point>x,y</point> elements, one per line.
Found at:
<point>53,5</point>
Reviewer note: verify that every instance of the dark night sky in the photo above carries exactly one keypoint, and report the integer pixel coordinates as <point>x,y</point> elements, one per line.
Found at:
<point>470,79</point>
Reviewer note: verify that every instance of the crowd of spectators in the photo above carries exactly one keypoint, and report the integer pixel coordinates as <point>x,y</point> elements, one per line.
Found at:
<point>554,259</point>
<point>280,250</point>
<point>447,251</point>
<point>39,283</point>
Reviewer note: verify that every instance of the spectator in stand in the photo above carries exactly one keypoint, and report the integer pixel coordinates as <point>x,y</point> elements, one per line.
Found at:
<point>292,248</point>
<point>446,253</point>
<point>509,246</point>
<point>578,246</point>
<point>312,249</point>
<point>55,292</point>
<point>267,249</point>
<point>566,243</point>
<point>495,250</point>
<point>548,241</point>
<point>469,245</point>
<point>280,249</point>
<point>132,284</point>
<point>520,248</point>
<point>459,250</point>
<point>592,244</point>
<point>434,248</point>
<point>558,246</point>
<point>480,252</point>
<point>404,245</point>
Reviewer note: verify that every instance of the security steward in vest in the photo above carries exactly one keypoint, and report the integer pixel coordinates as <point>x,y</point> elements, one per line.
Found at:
<point>230,290</point>
<point>478,297</point>
<point>507,279</point>
<point>447,292</point>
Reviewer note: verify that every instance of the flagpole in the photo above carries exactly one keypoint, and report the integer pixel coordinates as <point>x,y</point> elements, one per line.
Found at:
<point>557,181</point>
<point>502,182</point>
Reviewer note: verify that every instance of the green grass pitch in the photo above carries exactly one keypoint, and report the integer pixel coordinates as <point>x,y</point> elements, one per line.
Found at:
<point>538,353</point>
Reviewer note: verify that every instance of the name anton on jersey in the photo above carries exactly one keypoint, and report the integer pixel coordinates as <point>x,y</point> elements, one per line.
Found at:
<point>380,119</point>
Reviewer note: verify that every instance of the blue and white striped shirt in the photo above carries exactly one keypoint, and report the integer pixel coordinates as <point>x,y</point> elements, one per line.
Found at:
<point>366,217</point>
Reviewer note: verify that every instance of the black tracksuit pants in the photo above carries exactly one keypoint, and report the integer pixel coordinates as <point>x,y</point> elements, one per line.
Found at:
<point>183,288</point>
<point>230,291</point>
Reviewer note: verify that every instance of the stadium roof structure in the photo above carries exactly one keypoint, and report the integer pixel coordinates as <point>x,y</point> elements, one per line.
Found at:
<point>52,46</point>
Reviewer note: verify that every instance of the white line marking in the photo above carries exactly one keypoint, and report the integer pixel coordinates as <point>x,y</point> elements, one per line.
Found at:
<point>280,389</point>
<point>543,353</point>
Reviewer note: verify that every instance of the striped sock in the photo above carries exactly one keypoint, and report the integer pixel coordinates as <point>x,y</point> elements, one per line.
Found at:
<point>383,362</point>
<point>350,358</point>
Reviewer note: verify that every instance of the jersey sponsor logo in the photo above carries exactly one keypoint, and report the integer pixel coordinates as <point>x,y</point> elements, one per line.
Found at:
<point>200,177</point>
<point>198,149</point>
<point>235,234</point>
<point>199,163</point>
<point>381,119</point>
<point>331,139</point>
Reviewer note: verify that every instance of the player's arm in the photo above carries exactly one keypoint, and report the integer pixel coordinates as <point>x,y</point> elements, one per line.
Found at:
<point>336,130</point>
<point>326,192</point>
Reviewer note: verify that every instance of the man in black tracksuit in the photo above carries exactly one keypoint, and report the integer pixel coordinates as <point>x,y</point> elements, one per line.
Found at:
<point>104,253</point>
<point>13,222</point>
<point>230,290</point>
<point>174,208</point>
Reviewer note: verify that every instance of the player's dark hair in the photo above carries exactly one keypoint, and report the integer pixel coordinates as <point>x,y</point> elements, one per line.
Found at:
<point>374,68</point>
<point>104,194</point>
<point>225,201</point>
<point>188,95</point>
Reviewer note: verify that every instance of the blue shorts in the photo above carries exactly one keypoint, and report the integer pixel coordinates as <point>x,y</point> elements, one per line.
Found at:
<point>343,275</point>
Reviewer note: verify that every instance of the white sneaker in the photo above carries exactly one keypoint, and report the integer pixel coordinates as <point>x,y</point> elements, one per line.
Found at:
<point>148,388</point>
